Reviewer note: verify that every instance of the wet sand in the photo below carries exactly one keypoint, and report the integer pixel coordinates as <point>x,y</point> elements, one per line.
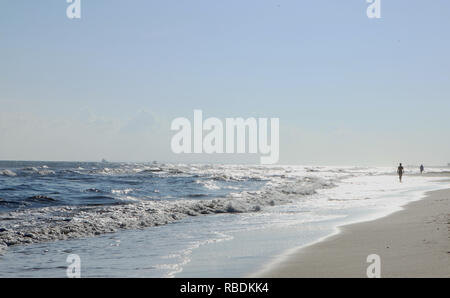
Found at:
<point>414,242</point>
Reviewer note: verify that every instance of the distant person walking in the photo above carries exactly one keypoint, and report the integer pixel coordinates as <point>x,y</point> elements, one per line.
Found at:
<point>400,172</point>
<point>422,168</point>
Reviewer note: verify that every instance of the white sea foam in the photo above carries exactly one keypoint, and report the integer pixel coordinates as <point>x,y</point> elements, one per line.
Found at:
<point>8,173</point>
<point>60,223</point>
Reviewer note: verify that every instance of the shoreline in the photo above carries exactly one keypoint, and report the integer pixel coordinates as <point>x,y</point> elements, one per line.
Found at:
<point>249,250</point>
<point>412,242</point>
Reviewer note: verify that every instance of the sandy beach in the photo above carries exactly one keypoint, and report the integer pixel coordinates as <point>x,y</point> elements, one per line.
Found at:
<point>414,242</point>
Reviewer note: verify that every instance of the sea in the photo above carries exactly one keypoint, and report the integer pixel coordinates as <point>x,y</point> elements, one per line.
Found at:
<point>184,220</point>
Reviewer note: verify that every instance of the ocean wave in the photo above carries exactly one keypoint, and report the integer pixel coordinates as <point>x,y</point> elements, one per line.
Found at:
<point>8,173</point>
<point>208,184</point>
<point>43,171</point>
<point>197,195</point>
<point>67,222</point>
<point>40,199</point>
<point>121,191</point>
<point>151,170</point>
<point>95,190</point>
<point>99,197</point>
<point>236,177</point>
<point>7,203</point>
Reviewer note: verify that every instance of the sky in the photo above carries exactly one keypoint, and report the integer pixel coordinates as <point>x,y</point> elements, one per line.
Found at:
<point>348,90</point>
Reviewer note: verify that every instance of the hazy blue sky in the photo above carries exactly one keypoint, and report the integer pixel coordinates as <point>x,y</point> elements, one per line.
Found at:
<point>347,89</point>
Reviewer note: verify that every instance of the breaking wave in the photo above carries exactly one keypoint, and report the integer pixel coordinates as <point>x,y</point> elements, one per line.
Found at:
<point>67,222</point>
<point>7,173</point>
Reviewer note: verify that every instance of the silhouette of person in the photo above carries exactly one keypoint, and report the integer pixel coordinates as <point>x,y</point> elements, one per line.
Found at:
<point>400,172</point>
<point>422,168</point>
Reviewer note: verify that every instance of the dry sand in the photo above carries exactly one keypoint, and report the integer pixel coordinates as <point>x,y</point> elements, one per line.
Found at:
<point>414,242</point>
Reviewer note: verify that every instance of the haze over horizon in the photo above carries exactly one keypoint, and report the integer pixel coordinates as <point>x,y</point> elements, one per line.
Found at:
<point>348,90</point>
